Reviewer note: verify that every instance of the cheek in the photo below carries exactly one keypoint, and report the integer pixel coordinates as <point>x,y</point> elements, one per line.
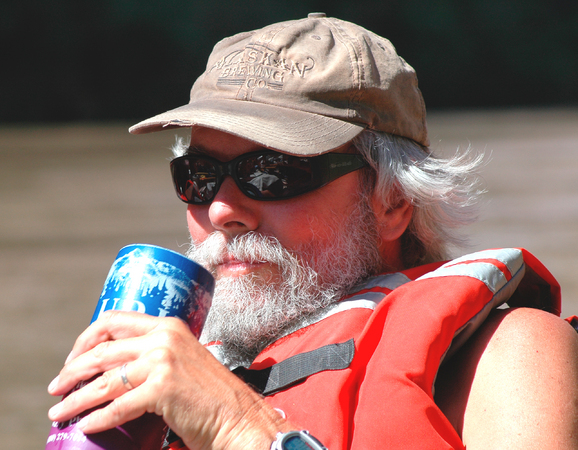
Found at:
<point>301,221</point>
<point>320,213</point>
<point>197,218</point>
<point>292,227</point>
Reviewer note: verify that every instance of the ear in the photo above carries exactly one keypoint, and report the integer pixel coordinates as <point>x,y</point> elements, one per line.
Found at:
<point>392,221</point>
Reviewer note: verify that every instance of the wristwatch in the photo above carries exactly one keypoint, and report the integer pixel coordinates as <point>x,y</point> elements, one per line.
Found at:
<point>296,440</point>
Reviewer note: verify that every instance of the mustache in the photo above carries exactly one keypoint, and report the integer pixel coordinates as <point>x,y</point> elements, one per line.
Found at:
<point>251,247</point>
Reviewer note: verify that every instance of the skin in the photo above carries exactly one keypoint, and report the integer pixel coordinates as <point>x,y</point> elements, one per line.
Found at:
<point>515,384</point>
<point>173,375</point>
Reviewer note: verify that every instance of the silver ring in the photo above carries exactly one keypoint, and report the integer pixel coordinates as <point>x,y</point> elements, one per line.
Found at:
<point>124,378</point>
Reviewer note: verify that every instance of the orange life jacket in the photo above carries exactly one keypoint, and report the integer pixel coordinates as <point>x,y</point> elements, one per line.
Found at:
<point>362,376</point>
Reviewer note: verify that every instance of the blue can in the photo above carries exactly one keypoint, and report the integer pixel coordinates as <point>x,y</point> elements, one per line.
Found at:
<point>159,282</point>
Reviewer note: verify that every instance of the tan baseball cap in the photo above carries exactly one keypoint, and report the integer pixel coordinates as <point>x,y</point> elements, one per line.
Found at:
<point>303,87</point>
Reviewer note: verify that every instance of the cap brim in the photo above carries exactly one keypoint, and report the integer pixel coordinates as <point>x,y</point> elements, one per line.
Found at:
<point>283,129</point>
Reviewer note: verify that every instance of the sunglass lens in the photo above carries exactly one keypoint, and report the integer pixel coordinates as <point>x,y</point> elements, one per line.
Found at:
<point>274,175</point>
<point>195,179</point>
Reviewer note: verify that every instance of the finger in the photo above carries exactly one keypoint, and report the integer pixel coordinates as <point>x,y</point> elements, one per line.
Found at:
<point>112,354</point>
<point>124,378</point>
<point>107,387</point>
<point>104,388</point>
<point>113,395</point>
<point>112,325</point>
<point>131,405</point>
<point>103,357</point>
<point>120,411</point>
<point>97,350</point>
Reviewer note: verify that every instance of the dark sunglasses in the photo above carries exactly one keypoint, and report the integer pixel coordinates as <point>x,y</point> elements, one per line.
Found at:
<point>262,175</point>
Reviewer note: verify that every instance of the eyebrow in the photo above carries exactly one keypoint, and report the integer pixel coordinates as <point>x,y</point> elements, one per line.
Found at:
<point>194,150</point>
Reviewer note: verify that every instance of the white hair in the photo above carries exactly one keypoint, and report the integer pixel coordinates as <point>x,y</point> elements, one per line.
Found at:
<point>181,145</point>
<point>444,192</point>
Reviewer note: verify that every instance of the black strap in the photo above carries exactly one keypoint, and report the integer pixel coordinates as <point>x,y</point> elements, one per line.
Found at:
<point>574,323</point>
<point>298,367</point>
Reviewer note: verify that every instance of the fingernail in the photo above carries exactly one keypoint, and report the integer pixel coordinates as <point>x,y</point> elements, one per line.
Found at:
<point>68,358</point>
<point>83,422</point>
<point>54,411</point>
<point>53,384</point>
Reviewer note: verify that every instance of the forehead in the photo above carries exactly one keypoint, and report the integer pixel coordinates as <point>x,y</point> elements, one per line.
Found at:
<point>221,145</point>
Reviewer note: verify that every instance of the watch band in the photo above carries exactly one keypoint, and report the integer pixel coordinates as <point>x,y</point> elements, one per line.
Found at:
<point>296,440</point>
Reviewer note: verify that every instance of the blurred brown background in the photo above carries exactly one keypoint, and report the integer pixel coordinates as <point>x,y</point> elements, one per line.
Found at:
<point>72,195</point>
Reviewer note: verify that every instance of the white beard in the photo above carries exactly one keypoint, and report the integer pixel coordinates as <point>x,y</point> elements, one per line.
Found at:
<point>249,312</point>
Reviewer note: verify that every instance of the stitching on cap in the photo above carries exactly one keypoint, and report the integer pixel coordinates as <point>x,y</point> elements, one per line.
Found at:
<point>351,46</point>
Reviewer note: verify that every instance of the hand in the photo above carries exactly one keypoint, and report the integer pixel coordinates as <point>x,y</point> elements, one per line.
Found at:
<point>172,375</point>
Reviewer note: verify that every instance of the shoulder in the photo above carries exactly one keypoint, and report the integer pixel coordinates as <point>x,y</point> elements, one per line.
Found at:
<point>520,329</point>
<point>515,383</point>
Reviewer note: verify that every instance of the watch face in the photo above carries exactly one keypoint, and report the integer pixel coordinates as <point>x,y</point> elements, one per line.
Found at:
<point>296,443</point>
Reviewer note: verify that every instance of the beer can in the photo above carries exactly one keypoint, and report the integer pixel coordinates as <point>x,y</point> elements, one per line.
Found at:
<point>155,281</point>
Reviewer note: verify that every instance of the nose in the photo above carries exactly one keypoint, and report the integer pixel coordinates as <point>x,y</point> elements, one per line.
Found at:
<point>232,212</point>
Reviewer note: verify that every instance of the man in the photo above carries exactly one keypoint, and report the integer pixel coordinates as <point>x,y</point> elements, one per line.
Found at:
<point>332,313</point>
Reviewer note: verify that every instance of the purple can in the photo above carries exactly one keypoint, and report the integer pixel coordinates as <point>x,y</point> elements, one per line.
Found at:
<point>155,281</point>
